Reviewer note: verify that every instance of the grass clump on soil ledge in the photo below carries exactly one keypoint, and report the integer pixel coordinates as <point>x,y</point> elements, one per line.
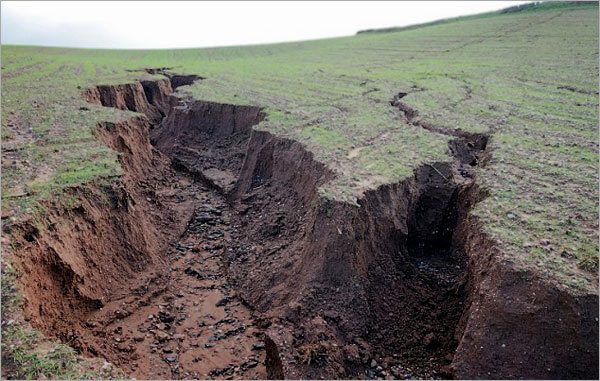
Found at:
<point>528,79</point>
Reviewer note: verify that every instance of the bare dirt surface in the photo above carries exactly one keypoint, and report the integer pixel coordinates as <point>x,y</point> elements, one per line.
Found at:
<point>215,257</point>
<point>186,321</point>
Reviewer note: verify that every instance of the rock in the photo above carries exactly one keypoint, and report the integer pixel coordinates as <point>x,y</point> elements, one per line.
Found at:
<point>273,229</point>
<point>214,247</point>
<point>250,364</point>
<point>204,218</point>
<point>171,358</point>
<point>161,336</point>
<point>221,371</point>
<point>258,346</point>
<point>373,363</point>
<point>120,314</point>
<point>166,317</point>
<point>235,331</point>
<point>216,234</point>
<point>124,347</point>
<point>167,350</point>
<point>211,209</point>
<point>223,301</point>
<point>193,272</point>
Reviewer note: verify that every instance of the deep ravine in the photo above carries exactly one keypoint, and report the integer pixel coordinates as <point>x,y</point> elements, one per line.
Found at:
<point>215,257</point>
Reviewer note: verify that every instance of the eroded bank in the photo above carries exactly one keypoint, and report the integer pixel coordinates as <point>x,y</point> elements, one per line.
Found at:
<point>403,285</point>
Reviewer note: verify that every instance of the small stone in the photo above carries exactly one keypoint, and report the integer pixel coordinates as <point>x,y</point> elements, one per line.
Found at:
<point>204,217</point>
<point>258,346</point>
<point>124,347</point>
<point>120,314</point>
<point>210,209</point>
<point>223,301</point>
<point>167,350</point>
<point>166,317</point>
<point>171,358</point>
<point>193,272</point>
<point>373,363</point>
<point>161,336</point>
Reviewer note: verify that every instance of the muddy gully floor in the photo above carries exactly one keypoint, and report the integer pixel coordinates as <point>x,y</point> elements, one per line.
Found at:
<point>187,322</point>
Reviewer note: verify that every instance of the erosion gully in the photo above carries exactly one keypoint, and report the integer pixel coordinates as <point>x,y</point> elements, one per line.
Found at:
<point>213,256</point>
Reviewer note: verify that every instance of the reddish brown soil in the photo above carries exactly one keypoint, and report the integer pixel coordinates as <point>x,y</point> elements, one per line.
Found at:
<point>219,243</point>
<point>185,321</point>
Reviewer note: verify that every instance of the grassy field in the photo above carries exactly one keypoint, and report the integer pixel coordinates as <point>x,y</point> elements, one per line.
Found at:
<point>528,78</point>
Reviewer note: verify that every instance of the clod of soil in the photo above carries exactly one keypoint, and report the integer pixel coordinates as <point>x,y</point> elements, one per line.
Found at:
<point>214,256</point>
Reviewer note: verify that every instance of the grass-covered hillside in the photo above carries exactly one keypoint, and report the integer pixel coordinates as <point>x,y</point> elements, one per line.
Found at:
<point>528,78</point>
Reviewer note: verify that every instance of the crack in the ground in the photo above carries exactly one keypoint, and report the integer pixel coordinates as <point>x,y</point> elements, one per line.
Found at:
<point>266,278</point>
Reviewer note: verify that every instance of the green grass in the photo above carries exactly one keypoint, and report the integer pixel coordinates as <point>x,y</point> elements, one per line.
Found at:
<point>511,75</point>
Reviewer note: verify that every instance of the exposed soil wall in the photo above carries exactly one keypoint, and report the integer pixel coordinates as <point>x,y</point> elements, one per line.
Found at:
<point>322,271</point>
<point>94,243</point>
<point>517,325</point>
<point>403,285</point>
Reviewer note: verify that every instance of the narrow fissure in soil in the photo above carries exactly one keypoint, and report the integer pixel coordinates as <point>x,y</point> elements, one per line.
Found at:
<point>215,257</point>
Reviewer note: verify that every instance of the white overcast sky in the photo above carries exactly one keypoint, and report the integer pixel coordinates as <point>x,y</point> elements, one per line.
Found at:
<point>157,24</point>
